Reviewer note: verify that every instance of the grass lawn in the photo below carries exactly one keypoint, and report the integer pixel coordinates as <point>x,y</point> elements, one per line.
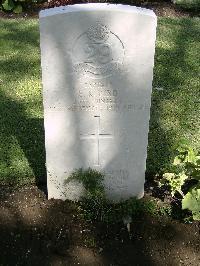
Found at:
<point>175,112</point>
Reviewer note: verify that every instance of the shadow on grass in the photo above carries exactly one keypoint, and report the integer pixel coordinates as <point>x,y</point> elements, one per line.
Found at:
<point>172,73</point>
<point>20,133</point>
<point>22,136</point>
<point>22,35</point>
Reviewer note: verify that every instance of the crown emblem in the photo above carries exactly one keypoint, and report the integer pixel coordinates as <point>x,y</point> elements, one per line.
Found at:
<point>98,32</point>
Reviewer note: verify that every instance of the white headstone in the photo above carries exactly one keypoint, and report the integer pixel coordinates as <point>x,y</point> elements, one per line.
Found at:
<point>97,69</point>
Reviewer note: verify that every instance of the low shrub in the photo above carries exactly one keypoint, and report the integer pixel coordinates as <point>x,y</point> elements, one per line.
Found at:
<point>54,3</point>
<point>188,4</point>
<point>16,6</point>
<point>186,168</point>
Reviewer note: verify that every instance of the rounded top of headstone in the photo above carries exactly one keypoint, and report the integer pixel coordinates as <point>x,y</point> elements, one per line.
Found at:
<point>95,7</point>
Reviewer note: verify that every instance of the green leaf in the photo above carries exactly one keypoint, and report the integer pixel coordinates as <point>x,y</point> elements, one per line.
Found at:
<point>193,170</point>
<point>18,9</point>
<point>198,160</point>
<point>196,174</point>
<point>176,181</point>
<point>183,146</point>
<point>8,5</point>
<point>191,201</point>
<point>177,160</point>
<point>192,156</point>
<point>162,182</point>
<point>196,216</point>
<point>168,176</point>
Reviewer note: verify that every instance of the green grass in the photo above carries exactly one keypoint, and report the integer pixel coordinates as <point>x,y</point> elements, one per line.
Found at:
<point>175,112</point>
<point>22,156</point>
<point>188,4</point>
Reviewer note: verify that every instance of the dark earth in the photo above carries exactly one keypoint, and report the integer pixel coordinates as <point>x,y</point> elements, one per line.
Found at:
<point>37,231</point>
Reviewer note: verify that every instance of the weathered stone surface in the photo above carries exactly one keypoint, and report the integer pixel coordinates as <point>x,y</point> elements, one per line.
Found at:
<point>97,69</point>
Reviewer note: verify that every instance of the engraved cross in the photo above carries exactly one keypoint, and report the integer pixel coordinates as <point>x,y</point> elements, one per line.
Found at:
<point>97,136</point>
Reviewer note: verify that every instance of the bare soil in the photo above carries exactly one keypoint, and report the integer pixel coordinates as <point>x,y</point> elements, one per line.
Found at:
<point>37,231</point>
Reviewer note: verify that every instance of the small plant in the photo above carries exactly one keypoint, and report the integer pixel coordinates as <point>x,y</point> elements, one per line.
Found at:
<point>191,201</point>
<point>16,6</point>
<point>187,167</point>
<point>96,207</point>
<point>10,5</point>
<point>175,181</point>
<point>94,200</point>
